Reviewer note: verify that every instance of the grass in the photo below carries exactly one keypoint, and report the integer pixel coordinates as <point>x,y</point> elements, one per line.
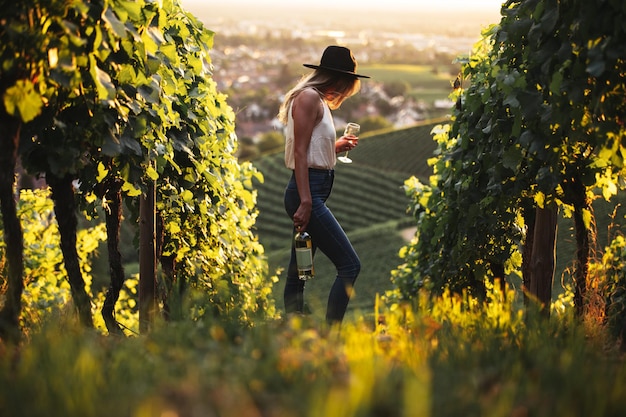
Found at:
<point>426,83</point>
<point>415,75</point>
<point>446,358</point>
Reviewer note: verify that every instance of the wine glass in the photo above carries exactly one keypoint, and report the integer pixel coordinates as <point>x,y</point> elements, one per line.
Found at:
<point>351,129</point>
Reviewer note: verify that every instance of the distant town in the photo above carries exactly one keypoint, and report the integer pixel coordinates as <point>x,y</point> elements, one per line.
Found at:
<point>258,55</point>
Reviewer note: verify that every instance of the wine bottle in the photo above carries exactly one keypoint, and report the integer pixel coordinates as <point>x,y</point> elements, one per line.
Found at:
<point>304,256</point>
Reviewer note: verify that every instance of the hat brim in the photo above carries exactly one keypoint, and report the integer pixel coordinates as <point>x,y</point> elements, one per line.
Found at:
<point>336,70</point>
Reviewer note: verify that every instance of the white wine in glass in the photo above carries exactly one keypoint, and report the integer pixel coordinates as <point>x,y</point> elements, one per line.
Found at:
<point>351,129</point>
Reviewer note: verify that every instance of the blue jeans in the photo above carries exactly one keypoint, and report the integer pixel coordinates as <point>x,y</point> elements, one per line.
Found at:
<point>327,235</point>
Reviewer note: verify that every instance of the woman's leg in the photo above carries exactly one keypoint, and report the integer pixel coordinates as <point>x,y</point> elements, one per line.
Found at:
<point>331,239</point>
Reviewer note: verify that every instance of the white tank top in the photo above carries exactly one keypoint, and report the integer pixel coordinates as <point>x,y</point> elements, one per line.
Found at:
<point>321,153</point>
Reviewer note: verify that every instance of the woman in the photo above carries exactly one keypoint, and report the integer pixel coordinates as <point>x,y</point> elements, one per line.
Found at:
<point>311,149</point>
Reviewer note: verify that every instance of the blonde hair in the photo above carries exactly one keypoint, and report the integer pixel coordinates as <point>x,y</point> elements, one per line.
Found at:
<point>333,86</point>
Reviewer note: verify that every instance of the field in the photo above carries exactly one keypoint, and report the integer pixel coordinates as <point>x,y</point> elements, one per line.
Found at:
<point>413,74</point>
<point>427,83</point>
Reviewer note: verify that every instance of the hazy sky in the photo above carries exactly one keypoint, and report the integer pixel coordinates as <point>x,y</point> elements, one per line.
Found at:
<point>387,4</point>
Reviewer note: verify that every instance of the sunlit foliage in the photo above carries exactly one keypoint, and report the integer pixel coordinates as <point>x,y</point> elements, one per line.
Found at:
<point>451,356</point>
<point>538,120</point>
<point>125,99</point>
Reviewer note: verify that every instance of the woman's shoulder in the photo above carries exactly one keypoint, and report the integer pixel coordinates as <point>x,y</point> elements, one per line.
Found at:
<point>308,97</point>
<point>309,93</point>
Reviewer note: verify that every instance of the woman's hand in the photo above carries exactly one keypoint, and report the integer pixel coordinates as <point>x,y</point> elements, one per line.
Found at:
<point>346,143</point>
<point>301,216</point>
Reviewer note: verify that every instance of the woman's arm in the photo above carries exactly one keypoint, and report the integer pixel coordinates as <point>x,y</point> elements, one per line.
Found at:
<point>307,112</point>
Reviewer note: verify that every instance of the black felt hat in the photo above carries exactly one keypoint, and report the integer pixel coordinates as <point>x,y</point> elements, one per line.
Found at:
<point>339,59</point>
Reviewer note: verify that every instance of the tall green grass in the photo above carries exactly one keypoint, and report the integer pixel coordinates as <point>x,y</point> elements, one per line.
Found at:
<point>448,357</point>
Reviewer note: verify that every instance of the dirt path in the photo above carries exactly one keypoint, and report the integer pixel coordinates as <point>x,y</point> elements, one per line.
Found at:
<point>409,233</point>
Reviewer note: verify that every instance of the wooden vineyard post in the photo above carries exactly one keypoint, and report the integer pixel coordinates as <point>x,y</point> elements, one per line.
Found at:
<point>147,259</point>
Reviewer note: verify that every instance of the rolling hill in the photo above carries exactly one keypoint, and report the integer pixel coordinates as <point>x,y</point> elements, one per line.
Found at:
<point>368,200</point>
